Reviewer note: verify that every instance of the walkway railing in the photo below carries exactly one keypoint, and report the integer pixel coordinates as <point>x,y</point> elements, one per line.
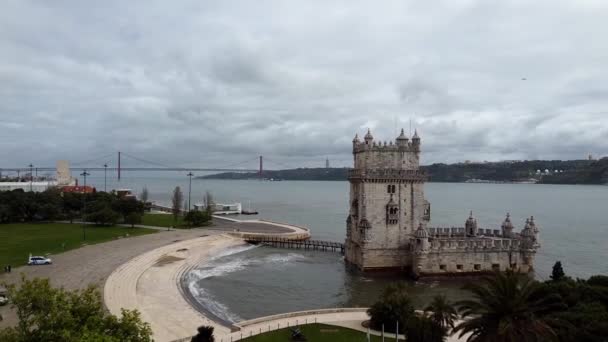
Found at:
<point>297,244</point>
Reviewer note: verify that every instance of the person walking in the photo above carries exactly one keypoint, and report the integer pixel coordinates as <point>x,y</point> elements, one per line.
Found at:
<point>10,268</point>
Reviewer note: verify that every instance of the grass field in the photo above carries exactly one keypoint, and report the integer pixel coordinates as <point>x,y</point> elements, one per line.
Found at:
<point>17,241</point>
<point>162,220</point>
<point>317,333</point>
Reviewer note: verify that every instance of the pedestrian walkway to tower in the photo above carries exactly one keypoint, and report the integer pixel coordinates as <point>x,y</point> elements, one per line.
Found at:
<point>281,242</point>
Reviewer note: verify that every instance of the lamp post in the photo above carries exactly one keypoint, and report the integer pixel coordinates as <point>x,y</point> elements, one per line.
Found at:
<point>105,177</point>
<point>84,206</point>
<point>31,177</point>
<point>189,188</point>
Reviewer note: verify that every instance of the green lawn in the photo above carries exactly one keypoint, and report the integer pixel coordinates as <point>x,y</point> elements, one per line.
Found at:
<point>317,333</point>
<point>162,220</point>
<point>17,241</point>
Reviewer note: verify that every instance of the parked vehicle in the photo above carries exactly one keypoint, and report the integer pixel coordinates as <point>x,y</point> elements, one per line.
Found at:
<point>39,260</point>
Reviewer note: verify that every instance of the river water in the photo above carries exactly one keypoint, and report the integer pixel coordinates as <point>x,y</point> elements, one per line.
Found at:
<point>250,282</point>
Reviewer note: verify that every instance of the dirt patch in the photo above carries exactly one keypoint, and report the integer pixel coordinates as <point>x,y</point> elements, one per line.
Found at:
<point>167,259</point>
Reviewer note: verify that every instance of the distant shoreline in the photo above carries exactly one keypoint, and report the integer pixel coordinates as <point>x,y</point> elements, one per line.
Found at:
<point>575,172</point>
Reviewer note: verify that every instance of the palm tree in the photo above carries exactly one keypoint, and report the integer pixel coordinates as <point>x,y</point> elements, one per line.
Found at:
<point>442,312</point>
<point>507,307</point>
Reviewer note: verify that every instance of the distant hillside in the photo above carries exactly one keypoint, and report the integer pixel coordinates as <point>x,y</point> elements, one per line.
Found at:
<point>569,172</point>
<point>329,174</point>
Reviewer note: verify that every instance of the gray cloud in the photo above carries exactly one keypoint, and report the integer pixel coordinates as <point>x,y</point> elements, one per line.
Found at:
<point>212,84</point>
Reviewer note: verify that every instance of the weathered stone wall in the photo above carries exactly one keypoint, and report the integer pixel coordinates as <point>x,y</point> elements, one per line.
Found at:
<point>472,261</point>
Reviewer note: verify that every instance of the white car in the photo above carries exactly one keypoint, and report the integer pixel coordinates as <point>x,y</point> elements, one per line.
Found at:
<point>39,260</point>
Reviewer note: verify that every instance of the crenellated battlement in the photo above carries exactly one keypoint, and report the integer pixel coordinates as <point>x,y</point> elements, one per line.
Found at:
<point>386,147</point>
<point>402,154</point>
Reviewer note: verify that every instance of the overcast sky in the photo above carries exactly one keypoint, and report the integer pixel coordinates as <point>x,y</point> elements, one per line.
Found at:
<point>214,83</point>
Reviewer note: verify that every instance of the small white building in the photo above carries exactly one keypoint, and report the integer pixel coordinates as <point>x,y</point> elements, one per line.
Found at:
<point>27,186</point>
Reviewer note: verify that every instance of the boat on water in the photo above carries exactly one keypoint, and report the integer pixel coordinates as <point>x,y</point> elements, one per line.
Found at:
<point>221,208</point>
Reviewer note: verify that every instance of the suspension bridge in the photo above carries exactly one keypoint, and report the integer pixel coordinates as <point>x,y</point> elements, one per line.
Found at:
<point>134,163</point>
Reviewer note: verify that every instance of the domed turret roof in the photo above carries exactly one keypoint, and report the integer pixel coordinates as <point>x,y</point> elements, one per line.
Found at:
<point>402,136</point>
<point>471,220</point>
<point>356,138</point>
<point>533,225</point>
<point>527,231</point>
<point>507,224</point>
<point>369,135</point>
<point>421,233</point>
<point>415,134</point>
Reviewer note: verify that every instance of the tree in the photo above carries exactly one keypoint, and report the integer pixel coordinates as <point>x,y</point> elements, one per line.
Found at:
<point>176,202</point>
<point>133,219</point>
<point>558,272</point>
<point>50,314</point>
<point>424,329</point>
<point>507,307</point>
<point>103,217</point>
<point>126,206</point>
<point>393,306</point>
<point>196,218</point>
<point>442,312</point>
<point>144,195</point>
<point>205,334</point>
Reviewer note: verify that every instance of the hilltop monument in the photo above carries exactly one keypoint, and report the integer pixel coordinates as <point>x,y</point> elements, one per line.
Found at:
<point>387,226</point>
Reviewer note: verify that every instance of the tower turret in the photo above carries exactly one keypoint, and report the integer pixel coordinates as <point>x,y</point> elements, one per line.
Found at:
<point>471,225</point>
<point>401,139</point>
<point>535,231</point>
<point>507,227</point>
<point>356,140</point>
<point>416,141</point>
<point>369,138</point>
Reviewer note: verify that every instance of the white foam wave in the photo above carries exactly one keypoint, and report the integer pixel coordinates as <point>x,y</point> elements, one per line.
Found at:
<point>216,267</point>
<point>212,305</point>
<point>283,258</point>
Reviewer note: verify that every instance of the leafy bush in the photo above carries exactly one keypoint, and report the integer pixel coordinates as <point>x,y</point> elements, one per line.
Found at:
<point>195,218</point>
<point>50,314</point>
<point>205,334</point>
<point>424,329</point>
<point>394,306</point>
<point>103,217</point>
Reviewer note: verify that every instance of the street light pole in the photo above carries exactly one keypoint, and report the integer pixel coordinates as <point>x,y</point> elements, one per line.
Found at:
<point>189,188</point>
<point>105,177</point>
<point>31,176</point>
<point>84,206</point>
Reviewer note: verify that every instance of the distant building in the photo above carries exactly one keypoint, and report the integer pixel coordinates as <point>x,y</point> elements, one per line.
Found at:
<point>386,228</point>
<point>27,186</point>
<point>78,189</point>
<point>327,163</point>
<point>64,175</point>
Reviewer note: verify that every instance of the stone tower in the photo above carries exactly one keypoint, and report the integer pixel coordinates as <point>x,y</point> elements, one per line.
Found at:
<point>387,203</point>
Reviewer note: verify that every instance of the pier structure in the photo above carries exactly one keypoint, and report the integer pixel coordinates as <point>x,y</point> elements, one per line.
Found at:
<point>281,242</point>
